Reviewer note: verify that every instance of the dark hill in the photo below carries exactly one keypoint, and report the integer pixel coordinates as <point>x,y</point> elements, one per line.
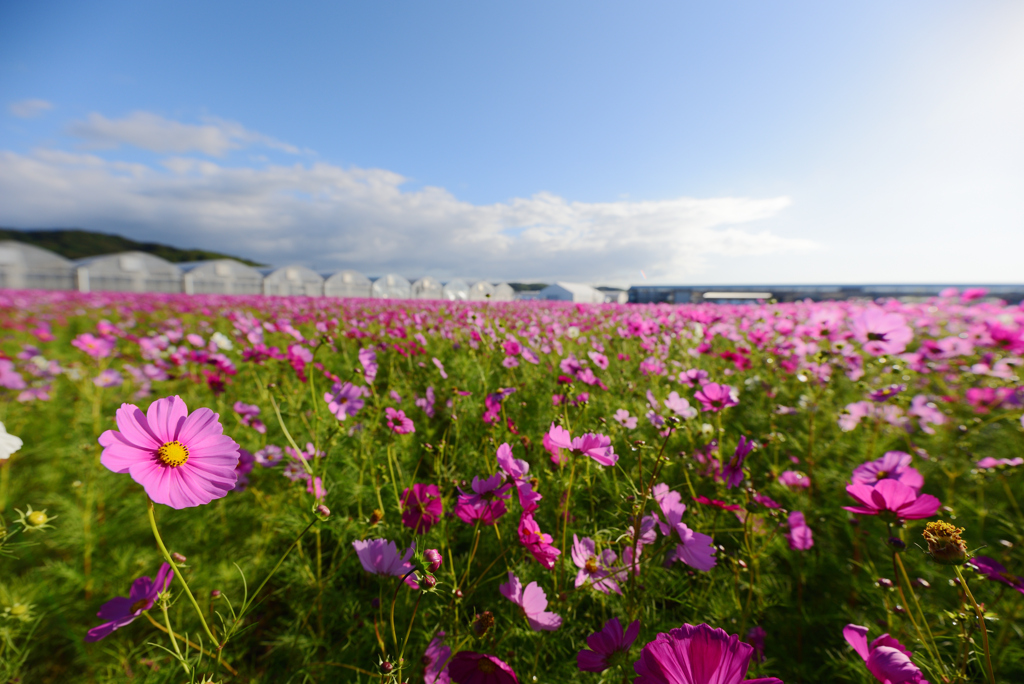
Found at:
<point>72,243</point>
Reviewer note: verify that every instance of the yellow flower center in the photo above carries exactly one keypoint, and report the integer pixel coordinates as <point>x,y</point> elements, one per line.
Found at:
<point>485,666</point>
<point>172,454</point>
<point>142,604</point>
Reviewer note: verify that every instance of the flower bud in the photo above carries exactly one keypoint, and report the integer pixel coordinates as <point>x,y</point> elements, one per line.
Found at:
<point>896,543</point>
<point>215,593</point>
<point>428,582</point>
<point>386,667</point>
<point>458,593</point>
<point>323,511</point>
<point>885,583</point>
<point>944,543</point>
<point>433,558</point>
<point>178,558</point>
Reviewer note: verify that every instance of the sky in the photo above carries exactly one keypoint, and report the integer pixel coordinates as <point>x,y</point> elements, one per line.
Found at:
<point>602,142</point>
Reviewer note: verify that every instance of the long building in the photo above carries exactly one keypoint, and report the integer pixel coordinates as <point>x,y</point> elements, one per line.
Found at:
<point>695,294</point>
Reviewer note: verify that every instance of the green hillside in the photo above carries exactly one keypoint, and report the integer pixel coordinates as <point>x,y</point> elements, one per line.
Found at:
<point>76,244</point>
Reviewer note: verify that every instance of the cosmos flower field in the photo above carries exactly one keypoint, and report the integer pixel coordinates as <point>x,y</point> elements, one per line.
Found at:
<point>259,489</point>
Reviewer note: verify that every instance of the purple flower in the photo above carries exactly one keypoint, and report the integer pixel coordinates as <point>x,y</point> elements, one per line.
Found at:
<point>248,416</point>
<point>624,419</point>
<point>486,503</point>
<point>121,611</point>
<point>715,397</point>
<point>894,498</point>
<point>989,462</point>
<point>533,602</point>
<point>733,472</point>
<point>696,655</point>
<point>693,377</point>
<point>594,569</point>
<point>607,645</point>
<point>398,422</point>
<point>435,661</point>
<point>881,333</point>
<point>799,535</point>
<point>997,572</point>
<point>269,456</point>
<point>538,543</point>
<point>517,469</point>
<point>467,667</point>
<point>887,659</point>
<point>755,637</point>
<point>596,446</point>
<point>886,393</point>
<point>680,406</point>
<point>368,359</point>
<point>795,479</point>
<point>9,378</point>
<point>426,402</point>
<point>893,465</point>
<point>440,367</point>
<point>108,378</point>
<point>421,507</point>
<point>345,399</point>
<point>380,557</point>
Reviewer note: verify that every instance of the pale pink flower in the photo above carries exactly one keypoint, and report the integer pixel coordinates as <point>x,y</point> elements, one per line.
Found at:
<point>533,602</point>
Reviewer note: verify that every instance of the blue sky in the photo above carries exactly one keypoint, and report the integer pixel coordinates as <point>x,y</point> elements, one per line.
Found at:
<point>698,142</point>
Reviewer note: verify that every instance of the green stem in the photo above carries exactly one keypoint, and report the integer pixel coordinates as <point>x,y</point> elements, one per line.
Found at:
<point>170,631</point>
<point>981,623</point>
<point>178,574</point>
<point>295,543</point>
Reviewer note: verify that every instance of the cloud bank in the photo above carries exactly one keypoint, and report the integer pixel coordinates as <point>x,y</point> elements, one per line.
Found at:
<point>331,217</point>
<point>29,109</point>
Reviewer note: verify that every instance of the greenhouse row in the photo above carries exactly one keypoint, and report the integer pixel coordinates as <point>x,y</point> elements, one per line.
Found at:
<point>24,266</point>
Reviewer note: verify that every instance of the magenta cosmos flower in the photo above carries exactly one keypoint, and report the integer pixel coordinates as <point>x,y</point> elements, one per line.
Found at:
<point>696,655</point>
<point>121,611</point>
<point>467,667</point>
<point>887,659</point>
<point>597,447</point>
<point>421,507</point>
<point>181,460</point>
<point>715,397</point>
<point>435,661</point>
<point>607,646</point>
<point>893,497</point>
<point>997,572</point>
<point>399,422</point>
<point>518,469</point>
<point>533,601</point>
<point>538,543</point>
<point>486,503</point>
<point>799,536</point>
<point>894,465</point>
<point>345,399</point>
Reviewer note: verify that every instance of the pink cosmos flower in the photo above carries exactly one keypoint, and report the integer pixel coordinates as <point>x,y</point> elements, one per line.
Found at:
<point>108,378</point>
<point>538,543</point>
<point>517,469</point>
<point>380,557</point>
<point>989,462</point>
<point>854,413</point>
<point>533,602</point>
<point>593,568</point>
<point>248,416</point>
<point>693,377</point>
<point>624,419</point>
<point>435,661</point>
<point>720,504</point>
<point>9,378</point>
<point>467,667</point>
<point>599,359</point>
<point>887,659</point>
<point>596,446</point>
<point>696,550</point>
<point>894,465</point>
<point>121,611</point>
<point>715,397</point>
<point>696,655</point>
<point>880,332</point>
<point>181,460</point>
<point>794,479</point>
<point>799,535</point>
<point>398,422</point>
<point>486,503</point>
<point>606,644</point>
<point>345,399</point>
<point>733,471</point>
<point>421,507</point>
<point>893,497</point>
<point>681,407</point>
<point>426,403</point>
<point>96,347</point>
<point>927,413</point>
<point>440,367</point>
<point>368,360</point>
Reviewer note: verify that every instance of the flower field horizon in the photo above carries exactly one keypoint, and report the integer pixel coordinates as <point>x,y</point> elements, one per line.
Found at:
<point>204,488</point>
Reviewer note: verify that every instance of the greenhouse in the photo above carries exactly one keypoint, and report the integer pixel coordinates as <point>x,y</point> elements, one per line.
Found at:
<point>24,267</point>
<point>128,272</point>
<point>347,283</point>
<point>481,291</point>
<point>456,290</point>
<point>392,286</point>
<point>427,288</point>
<point>503,292</point>
<point>221,276</point>
<point>293,280</point>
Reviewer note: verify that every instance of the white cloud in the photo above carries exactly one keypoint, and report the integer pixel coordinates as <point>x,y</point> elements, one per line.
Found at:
<point>29,109</point>
<point>152,132</point>
<point>331,217</point>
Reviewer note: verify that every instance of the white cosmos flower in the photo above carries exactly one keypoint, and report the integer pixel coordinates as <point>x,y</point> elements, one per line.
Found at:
<point>8,443</point>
